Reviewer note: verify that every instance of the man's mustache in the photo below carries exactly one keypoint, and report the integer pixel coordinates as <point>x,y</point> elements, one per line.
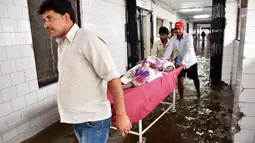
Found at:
<point>49,28</point>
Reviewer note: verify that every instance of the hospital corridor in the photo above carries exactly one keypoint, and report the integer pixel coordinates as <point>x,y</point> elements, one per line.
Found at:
<point>186,69</point>
<point>207,119</point>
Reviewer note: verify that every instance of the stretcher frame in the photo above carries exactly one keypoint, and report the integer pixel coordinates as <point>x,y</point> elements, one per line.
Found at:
<point>141,131</point>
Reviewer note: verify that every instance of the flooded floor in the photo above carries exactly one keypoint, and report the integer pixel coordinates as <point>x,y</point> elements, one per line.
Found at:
<point>207,120</point>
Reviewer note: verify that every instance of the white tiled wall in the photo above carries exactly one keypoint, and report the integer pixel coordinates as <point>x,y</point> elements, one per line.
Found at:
<point>162,13</point>
<point>246,98</point>
<point>108,23</point>
<point>234,71</point>
<point>229,39</point>
<point>22,108</point>
<point>245,136</point>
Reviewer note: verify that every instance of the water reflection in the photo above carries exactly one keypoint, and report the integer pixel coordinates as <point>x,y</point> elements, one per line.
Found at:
<point>208,119</point>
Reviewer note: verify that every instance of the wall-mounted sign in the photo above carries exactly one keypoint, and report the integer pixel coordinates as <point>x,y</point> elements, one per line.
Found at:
<point>146,4</point>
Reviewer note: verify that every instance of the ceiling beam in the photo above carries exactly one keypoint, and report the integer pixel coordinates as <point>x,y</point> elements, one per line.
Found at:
<point>202,22</point>
<point>193,7</point>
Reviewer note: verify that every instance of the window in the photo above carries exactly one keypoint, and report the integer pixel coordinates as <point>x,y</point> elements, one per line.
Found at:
<point>45,48</point>
<point>159,24</point>
<point>239,23</point>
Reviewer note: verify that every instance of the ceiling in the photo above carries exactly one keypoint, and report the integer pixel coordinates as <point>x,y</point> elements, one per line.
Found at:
<point>204,25</point>
<point>179,5</point>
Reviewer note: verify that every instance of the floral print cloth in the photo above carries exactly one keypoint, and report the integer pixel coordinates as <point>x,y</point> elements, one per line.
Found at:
<point>142,73</point>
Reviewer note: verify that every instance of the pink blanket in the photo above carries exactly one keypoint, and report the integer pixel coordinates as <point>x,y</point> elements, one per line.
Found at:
<point>140,101</point>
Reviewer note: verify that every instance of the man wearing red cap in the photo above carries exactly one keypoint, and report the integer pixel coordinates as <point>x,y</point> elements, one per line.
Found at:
<point>186,57</point>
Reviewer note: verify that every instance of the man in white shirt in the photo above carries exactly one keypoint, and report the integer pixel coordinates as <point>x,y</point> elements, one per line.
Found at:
<point>186,57</point>
<point>86,68</point>
<point>160,46</point>
<point>175,50</point>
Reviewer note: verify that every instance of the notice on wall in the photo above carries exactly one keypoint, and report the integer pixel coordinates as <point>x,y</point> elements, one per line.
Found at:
<point>146,4</point>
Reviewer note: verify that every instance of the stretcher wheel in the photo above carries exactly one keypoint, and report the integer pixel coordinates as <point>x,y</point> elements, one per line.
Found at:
<point>173,111</point>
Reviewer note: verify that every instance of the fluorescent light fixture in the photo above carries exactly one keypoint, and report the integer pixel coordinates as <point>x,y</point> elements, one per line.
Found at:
<point>201,16</point>
<point>191,9</point>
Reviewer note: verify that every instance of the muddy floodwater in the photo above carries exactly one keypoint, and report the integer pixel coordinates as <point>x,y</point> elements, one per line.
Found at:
<point>207,120</point>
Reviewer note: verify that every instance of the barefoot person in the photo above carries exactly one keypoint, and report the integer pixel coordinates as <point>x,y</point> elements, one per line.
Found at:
<point>186,57</point>
<point>85,68</point>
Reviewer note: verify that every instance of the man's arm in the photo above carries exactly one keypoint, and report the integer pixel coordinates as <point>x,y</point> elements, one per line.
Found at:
<point>122,120</point>
<point>117,93</point>
<point>187,51</point>
<point>169,49</point>
<point>97,53</point>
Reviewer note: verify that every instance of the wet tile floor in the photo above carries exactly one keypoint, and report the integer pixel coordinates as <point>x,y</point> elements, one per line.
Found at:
<point>207,120</point>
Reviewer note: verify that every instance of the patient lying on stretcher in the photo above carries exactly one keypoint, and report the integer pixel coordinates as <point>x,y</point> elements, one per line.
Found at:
<point>146,71</point>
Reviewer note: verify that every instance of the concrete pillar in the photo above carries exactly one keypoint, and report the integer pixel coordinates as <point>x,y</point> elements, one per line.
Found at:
<point>218,26</point>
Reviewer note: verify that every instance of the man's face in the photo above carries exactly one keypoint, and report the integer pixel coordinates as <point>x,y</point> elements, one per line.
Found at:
<point>54,23</point>
<point>178,31</point>
<point>163,37</point>
<point>172,33</point>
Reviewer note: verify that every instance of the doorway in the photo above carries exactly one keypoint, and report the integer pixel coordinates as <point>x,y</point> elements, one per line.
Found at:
<point>145,32</point>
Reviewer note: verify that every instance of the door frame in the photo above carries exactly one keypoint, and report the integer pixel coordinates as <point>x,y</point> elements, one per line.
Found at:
<point>140,10</point>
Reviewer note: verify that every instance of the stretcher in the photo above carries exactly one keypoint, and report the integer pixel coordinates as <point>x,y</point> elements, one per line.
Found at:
<point>141,101</point>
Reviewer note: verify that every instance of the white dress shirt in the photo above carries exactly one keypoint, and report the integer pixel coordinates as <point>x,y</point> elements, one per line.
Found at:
<point>186,52</point>
<point>85,66</point>
<point>159,49</point>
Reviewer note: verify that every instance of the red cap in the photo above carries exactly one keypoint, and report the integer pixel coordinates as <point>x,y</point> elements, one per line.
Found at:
<point>179,25</point>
